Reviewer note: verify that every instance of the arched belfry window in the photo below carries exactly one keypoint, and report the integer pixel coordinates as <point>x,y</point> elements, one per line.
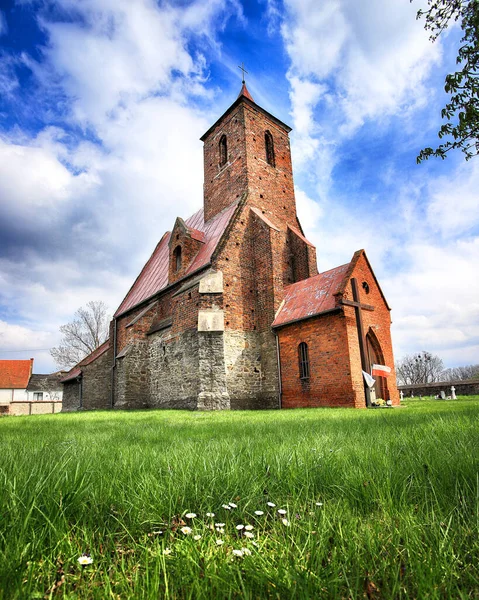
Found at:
<point>303,358</point>
<point>269,145</point>
<point>177,258</point>
<point>223,147</point>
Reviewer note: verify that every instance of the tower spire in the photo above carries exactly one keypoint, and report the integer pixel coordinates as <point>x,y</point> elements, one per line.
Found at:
<point>244,90</point>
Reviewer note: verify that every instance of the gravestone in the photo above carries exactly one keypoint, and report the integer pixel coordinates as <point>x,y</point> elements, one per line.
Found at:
<point>443,395</point>
<point>453,393</point>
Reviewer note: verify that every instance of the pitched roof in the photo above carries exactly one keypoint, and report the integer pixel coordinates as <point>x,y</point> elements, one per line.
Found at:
<point>244,92</point>
<point>39,383</point>
<point>311,296</point>
<point>318,294</point>
<point>154,275</point>
<point>76,370</point>
<point>14,374</point>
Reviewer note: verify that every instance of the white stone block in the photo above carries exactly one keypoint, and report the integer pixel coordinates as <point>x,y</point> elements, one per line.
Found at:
<point>211,320</point>
<point>212,283</point>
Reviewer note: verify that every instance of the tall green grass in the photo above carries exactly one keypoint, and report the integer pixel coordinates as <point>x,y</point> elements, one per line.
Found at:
<point>399,492</point>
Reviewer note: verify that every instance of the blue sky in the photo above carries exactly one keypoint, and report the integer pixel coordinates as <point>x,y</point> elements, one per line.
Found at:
<point>102,103</point>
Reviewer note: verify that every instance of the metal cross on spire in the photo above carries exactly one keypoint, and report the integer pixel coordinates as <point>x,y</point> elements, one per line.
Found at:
<point>244,70</point>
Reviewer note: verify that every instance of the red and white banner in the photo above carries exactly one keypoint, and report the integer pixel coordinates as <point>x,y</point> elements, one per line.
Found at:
<point>380,371</point>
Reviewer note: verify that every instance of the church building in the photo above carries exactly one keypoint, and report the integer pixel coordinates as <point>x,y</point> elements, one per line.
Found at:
<point>230,311</point>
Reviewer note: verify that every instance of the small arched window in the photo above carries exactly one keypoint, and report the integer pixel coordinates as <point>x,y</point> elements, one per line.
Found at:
<point>177,258</point>
<point>223,147</point>
<point>269,145</point>
<point>303,358</point>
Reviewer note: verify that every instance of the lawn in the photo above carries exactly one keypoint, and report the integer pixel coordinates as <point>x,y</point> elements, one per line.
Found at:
<point>378,504</point>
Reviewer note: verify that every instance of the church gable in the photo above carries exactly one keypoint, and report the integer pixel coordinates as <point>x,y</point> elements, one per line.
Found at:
<point>184,245</point>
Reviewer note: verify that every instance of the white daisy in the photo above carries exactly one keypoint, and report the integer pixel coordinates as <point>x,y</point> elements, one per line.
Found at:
<point>233,505</point>
<point>167,551</point>
<point>246,551</point>
<point>285,522</point>
<point>219,542</point>
<point>220,530</point>
<point>281,511</point>
<point>272,504</point>
<point>239,527</point>
<point>85,559</point>
<point>319,504</point>
<point>226,506</point>
<point>238,552</point>
<point>197,537</point>
<point>249,527</point>
<point>190,515</point>
<point>258,512</point>
<point>219,524</point>
<point>210,514</point>
<point>186,530</point>
<point>249,535</point>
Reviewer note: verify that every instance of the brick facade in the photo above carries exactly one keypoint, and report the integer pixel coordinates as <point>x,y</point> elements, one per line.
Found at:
<point>195,330</point>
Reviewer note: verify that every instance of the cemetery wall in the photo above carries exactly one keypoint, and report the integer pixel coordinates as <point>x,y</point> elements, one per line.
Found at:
<point>462,388</point>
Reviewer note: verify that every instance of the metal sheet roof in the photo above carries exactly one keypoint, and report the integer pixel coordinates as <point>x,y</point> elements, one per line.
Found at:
<point>154,275</point>
<point>311,296</point>
<point>76,370</point>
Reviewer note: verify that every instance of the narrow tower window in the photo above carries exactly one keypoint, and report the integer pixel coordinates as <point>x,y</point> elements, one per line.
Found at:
<point>223,151</point>
<point>303,361</point>
<point>269,145</point>
<point>177,258</point>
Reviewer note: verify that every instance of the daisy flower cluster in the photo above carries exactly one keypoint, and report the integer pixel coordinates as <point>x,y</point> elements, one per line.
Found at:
<point>191,525</point>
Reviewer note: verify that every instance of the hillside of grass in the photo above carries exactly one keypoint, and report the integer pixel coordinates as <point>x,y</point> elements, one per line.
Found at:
<point>380,503</point>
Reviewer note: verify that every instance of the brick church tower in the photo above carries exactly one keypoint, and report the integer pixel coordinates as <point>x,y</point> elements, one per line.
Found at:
<point>230,311</point>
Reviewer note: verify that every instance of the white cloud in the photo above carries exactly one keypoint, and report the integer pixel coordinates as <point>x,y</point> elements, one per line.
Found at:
<point>454,206</point>
<point>375,56</point>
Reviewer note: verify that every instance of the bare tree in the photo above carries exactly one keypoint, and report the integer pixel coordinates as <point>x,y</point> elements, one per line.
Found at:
<point>461,373</point>
<point>419,368</point>
<point>85,333</point>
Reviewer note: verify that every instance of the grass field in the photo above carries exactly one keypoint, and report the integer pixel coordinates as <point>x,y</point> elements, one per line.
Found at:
<point>379,504</point>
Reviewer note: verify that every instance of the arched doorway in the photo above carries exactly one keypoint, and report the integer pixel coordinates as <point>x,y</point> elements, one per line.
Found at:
<point>375,356</point>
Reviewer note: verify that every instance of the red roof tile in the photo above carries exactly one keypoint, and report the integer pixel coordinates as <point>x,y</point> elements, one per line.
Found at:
<point>311,296</point>
<point>154,275</point>
<point>14,374</point>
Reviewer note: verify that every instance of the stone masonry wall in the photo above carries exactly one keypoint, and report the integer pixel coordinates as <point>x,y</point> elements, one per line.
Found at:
<point>251,370</point>
<point>131,377</point>
<point>96,382</point>
<point>173,370</point>
<point>71,396</point>
<point>462,388</point>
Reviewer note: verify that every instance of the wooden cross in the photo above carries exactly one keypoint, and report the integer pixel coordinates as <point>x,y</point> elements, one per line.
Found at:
<point>359,324</point>
<point>243,69</point>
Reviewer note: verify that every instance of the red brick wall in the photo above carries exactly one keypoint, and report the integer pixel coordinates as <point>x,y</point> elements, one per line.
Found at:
<point>330,382</point>
<point>335,361</point>
<point>223,185</point>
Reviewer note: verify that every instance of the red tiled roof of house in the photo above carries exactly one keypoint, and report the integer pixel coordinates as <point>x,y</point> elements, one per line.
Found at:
<point>311,296</point>
<point>14,374</point>
<point>154,275</point>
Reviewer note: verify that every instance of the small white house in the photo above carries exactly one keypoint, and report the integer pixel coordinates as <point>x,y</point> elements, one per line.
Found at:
<point>14,378</point>
<point>22,393</point>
